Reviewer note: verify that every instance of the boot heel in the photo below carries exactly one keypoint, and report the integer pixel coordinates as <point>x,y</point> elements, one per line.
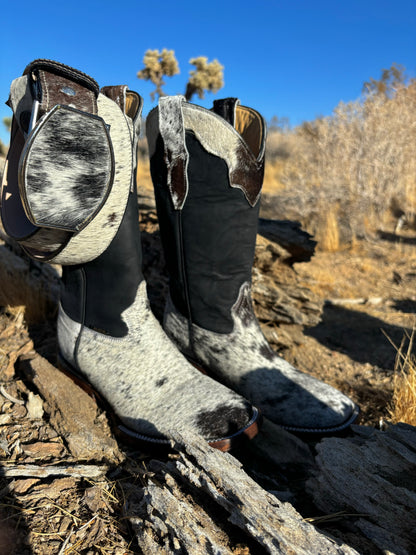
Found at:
<point>241,437</point>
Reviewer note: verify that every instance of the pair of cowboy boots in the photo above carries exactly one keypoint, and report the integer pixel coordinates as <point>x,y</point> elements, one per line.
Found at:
<point>69,197</point>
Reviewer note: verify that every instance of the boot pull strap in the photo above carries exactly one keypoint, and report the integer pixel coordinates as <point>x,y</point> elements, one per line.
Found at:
<point>53,83</point>
<point>226,108</point>
<point>117,94</point>
<point>172,130</point>
<point>131,104</point>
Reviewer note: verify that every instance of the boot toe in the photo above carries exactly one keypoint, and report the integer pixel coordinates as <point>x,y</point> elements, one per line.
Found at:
<point>299,402</point>
<point>224,421</point>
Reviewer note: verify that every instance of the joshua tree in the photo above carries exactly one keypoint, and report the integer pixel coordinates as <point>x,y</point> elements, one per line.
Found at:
<point>156,66</point>
<point>207,76</point>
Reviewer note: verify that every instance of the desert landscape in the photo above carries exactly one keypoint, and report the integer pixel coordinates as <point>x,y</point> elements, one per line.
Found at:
<point>335,294</point>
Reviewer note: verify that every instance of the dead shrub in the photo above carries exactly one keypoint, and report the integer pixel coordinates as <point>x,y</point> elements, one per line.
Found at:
<point>360,158</point>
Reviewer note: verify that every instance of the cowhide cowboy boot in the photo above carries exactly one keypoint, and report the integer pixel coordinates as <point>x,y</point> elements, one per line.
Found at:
<point>207,169</point>
<point>69,197</point>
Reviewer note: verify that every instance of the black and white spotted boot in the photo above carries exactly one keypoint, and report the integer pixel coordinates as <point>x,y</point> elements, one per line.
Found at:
<point>207,169</point>
<point>69,197</point>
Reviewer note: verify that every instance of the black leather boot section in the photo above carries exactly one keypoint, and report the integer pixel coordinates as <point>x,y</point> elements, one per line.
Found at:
<point>209,244</point>
<point>170,230</point>
<point>96,293</point>
<point>226,109</point>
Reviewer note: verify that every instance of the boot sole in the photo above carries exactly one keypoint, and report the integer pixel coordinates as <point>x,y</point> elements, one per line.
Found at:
<point>145,442</point>
<point>317,432</point>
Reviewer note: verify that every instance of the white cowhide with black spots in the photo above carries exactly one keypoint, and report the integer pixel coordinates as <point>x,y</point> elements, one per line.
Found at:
<point>174,115</point>
<point>93,239</point>
<point>149,384</point>
<point>244,361</point>
<point>66,169</point>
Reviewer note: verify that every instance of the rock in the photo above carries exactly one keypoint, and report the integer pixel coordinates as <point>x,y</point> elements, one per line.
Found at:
<point>289,235</point>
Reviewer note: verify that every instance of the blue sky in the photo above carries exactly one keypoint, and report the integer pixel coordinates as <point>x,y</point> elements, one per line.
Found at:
<point>291,58</point>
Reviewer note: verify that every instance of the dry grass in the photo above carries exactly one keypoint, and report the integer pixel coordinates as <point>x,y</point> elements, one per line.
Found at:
<point>274,170</point>
<point>144,180</point>
<point>328,233</point>
<point>403,405</point>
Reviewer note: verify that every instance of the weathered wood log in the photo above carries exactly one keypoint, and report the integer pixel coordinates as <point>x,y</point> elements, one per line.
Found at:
<point>372,474</point>
<point>37,471</point>
<point>73,413</point>
<point>196,502</point>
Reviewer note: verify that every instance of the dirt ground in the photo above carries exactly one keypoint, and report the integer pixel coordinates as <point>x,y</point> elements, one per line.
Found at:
<point>369,299</point>
<point>369,310</point>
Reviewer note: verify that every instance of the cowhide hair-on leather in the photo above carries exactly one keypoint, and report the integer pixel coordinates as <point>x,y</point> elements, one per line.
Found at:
<point>244,361</point>
<point>94,238</point>
<point>172,117</point>
<point>63,186</point>
<point>91,241</point>
<point>151,387</point>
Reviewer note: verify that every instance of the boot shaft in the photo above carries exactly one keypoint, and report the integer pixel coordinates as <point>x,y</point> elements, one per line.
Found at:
<point>96,294</point>
<point>207,174</point>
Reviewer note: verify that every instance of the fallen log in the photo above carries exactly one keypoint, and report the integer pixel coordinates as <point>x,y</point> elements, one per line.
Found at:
<point>72,412</point>
<point>372,473</point>
<point>199,500</point>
